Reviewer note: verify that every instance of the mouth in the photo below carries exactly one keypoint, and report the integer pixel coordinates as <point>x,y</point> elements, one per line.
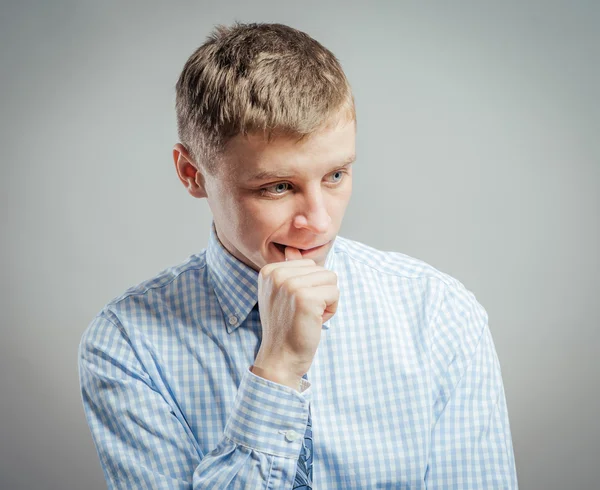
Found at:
<point>304,251</point>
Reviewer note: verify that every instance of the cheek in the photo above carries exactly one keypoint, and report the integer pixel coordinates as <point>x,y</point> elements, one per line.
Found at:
<point>339,202</point>
<point>260,218</point>
<point>268,212</point>
<point>236,214</point>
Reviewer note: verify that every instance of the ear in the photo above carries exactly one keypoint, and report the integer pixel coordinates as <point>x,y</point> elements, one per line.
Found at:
<point>188,171</point>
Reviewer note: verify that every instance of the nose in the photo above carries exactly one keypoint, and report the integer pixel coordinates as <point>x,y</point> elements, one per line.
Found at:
<point>313,215</point>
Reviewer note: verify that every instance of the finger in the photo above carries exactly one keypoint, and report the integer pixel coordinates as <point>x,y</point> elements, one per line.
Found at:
<point>292,253</point>
<point>305,278</point>
<point>329,296</point>
<point>282,274</point>
<point>268,269</point>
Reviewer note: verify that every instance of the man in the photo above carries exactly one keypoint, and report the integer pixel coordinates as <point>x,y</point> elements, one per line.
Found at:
<point>285,356</point>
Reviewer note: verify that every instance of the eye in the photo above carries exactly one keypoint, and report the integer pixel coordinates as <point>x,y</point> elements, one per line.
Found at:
<point>337,176</point>
<point>278,188</point>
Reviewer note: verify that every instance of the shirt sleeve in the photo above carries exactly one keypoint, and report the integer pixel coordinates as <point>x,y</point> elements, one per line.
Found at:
<point>144,442</point>
<point>471,446</point>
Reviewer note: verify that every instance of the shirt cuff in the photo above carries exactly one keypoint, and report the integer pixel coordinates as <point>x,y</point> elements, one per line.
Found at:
<point>269,417</point>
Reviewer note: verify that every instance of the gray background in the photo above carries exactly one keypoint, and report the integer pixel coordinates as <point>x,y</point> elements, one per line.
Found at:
<point>478,152</point>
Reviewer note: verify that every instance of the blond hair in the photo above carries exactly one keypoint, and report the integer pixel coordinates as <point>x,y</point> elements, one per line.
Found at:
<point>249,78</point>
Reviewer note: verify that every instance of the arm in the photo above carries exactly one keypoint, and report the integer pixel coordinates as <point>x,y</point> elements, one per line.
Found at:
<point>144,442</point>
<point>471,439</point>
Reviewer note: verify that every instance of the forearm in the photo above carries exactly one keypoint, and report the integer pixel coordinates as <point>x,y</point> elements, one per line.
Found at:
<point>145,442</point>
<point>264,432</point>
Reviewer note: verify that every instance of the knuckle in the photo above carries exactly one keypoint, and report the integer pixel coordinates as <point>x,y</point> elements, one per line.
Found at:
<point>265,271</point>
<point>289,284</point>
<point>302,297</point>
<point>278,276</point>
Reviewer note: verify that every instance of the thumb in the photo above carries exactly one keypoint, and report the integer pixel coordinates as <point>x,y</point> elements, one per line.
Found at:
<point>292,253</point>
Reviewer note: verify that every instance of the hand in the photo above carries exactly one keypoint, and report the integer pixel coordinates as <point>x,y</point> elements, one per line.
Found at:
<point>295,298</point>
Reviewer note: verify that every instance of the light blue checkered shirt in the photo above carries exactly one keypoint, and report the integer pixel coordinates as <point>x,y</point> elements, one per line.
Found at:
<point>405,390</point>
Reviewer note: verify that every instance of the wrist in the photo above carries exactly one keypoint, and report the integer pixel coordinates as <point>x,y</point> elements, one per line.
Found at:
<point>279,376</point>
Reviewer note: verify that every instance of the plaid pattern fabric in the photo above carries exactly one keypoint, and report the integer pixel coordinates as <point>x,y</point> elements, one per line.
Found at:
<point>405,389</point>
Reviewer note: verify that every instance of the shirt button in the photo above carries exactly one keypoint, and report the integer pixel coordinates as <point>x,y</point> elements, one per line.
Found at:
<point>291,435</point>
<point>233,320</point>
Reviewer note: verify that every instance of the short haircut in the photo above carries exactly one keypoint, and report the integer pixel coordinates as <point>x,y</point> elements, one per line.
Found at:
<point>257,78</point>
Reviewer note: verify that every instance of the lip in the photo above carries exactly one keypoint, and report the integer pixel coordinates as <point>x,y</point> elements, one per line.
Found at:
<point>304,251</point>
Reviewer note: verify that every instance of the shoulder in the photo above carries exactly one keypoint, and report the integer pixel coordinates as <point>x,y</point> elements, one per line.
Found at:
<point>168,279</point>
<point>359,255</point>
<point>143,305</point>
<point>446,298</point>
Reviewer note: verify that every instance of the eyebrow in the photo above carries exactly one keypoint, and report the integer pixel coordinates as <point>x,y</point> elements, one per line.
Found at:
<point>274,174</point>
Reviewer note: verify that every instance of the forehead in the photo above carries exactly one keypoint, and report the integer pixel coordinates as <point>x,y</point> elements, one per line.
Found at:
<point>249,156</point>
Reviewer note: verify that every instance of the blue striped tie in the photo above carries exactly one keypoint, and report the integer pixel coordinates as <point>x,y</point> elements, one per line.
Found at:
<point>303,479</point>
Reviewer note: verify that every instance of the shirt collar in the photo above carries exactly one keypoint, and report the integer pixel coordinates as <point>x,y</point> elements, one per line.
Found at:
<point>235,283</point>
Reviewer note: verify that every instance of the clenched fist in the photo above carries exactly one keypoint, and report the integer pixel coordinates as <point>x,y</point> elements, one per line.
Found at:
<point>295,298</point>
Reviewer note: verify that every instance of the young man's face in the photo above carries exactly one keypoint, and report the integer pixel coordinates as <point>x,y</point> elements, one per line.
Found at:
<point>283,193</point>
